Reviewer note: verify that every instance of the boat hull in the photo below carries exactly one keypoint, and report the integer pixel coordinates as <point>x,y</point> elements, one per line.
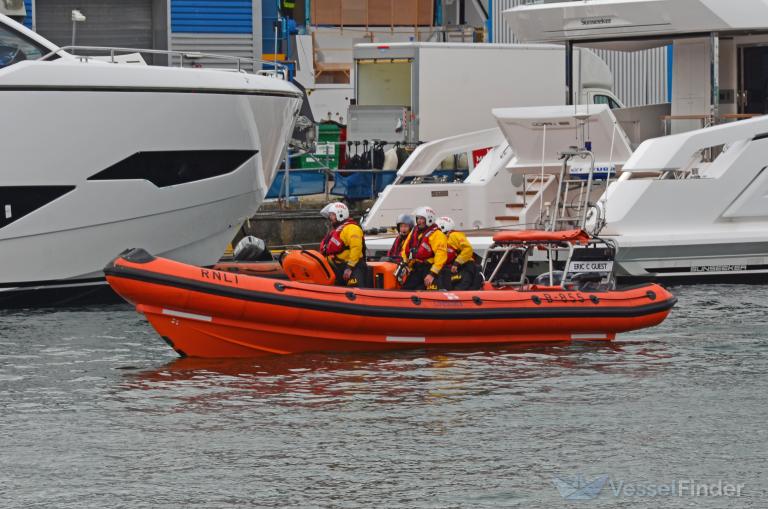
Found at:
<point>207,313</point>
<point>728,259</point>
<point>68,240</point>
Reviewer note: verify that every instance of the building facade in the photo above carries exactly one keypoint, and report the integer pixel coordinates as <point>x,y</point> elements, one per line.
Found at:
<point>231,27</point>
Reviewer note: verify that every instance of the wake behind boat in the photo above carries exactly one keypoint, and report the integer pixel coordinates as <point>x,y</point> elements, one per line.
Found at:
<point>202,312</point>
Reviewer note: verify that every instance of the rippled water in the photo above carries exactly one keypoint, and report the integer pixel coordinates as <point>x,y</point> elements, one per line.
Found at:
<point>98,412</point>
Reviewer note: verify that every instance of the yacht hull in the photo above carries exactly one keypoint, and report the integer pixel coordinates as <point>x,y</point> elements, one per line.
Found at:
<point>736,262</point>
<point>175,170</point>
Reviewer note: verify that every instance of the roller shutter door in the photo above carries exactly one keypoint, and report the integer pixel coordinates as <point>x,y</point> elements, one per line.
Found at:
<point>122,23</point>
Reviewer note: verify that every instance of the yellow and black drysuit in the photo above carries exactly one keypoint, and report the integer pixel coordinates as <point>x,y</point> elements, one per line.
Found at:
<point>344,247</point>
<point>426,252</point>
<point>460,266</point>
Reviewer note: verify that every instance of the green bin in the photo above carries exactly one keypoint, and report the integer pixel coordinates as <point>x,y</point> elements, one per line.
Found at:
<point>328,148</point>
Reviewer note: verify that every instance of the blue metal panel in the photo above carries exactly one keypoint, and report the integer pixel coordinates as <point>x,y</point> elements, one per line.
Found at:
<point>268,20</point>
<point>28,19</point>
<point>489,21</point>
<point>212,16</point>
<point>670,62</point>
<point>302,183</point>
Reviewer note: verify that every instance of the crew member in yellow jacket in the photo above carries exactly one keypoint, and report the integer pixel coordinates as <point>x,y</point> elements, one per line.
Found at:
<point>460,266</point>
<point>344,246</point>
<point>425,250</point>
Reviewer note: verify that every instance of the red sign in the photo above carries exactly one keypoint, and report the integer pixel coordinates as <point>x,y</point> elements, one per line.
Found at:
<point>479,154</point>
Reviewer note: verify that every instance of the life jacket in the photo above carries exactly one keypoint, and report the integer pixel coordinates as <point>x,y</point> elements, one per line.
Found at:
<point>419,246</point>
<point>332,243</point>
<point>395,252</point>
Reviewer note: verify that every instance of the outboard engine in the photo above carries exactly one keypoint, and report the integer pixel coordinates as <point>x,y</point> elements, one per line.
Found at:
<point>589,282</point>
<point>250,249</point>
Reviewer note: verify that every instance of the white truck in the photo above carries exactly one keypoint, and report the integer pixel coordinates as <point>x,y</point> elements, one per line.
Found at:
<point>415,92</point>
<point>442,96</point>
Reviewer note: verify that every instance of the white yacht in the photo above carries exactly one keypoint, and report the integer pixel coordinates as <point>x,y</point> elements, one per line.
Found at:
<point>99,156</point>
<point>684,184</point>
<point>691,204</point>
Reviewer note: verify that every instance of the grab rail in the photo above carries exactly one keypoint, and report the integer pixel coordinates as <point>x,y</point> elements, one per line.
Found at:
<point>189,55</point>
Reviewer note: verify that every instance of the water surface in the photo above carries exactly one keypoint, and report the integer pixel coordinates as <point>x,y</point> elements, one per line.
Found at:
<point>96,411</point>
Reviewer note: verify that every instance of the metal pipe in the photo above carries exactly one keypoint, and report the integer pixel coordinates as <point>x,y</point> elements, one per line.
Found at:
<point>498,265</point>
<point>551,266</point>
<point>714,76</point>
<point>116,49</point>
<point>589,188</point>
<point>569,73</point>
<point>553,224</point>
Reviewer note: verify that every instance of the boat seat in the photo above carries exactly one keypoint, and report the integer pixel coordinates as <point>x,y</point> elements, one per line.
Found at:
<point>382,275</point>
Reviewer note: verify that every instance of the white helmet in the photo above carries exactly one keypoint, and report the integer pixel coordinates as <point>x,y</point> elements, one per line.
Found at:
<point>446,224</point>
<point>338,208</point>
<point>427,213</point>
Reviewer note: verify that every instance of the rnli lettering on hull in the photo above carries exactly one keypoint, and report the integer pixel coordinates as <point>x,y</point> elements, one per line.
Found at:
<point>215,275</point>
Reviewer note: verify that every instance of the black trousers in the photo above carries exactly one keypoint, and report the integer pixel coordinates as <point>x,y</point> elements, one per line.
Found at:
<point>359,273</point>
<point>467,278</point>
<point>415,280</point>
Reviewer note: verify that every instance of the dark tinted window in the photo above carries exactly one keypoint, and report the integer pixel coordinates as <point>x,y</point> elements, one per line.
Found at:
<point>14,47</point>
<point>18,201</point>
<point>176,167</point>
<point>604,99</point>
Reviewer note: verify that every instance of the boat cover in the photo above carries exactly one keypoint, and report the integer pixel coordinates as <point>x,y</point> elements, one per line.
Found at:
<point>573,236</point>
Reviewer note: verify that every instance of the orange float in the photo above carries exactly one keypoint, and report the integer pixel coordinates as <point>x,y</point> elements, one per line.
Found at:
<point>204,312</point>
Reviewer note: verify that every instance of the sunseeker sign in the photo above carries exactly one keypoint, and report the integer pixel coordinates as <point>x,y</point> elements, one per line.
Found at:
<point>596,20</point>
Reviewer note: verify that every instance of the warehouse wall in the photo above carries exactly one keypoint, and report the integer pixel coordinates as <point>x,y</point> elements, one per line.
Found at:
<point>121,23</point>
<point>639,78</point>
<point>216,26</point>
<point>207,26</point>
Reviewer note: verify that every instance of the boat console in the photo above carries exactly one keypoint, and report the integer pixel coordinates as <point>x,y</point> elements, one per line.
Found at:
<point>588,267</point>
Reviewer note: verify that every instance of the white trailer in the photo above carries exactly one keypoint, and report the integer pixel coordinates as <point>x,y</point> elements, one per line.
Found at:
<point>417,92</point>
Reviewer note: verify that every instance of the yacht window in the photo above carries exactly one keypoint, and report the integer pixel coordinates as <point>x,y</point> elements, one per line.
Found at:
<point>604,99</point>
<point>18,201</point>
<point>14,47</point>
<point>171,168</point>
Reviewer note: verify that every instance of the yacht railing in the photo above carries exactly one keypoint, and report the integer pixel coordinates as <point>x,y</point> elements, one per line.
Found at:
<point>280,70</point>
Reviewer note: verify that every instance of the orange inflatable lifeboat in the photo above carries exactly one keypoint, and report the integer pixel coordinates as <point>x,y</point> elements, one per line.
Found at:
<point>205,312</point>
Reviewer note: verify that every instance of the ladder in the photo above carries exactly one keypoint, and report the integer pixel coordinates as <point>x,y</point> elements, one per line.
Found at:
<point>572,201</point>
<point>530,194</point>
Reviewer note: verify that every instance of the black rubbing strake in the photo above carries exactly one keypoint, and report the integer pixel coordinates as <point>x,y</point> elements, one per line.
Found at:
<point>386,311</point>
